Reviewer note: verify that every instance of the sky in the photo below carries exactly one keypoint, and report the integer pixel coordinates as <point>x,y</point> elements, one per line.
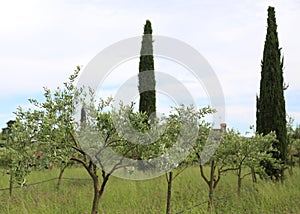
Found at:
<point>42,42</point>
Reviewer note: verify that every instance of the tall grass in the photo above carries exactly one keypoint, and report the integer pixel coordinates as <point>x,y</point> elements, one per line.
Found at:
<point>149,196</point>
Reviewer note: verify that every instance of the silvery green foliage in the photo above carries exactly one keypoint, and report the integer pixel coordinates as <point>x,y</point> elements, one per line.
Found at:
<point>238,151</point>
<point>55,135</point>
<point>40,135</point>
<point>19,148</point>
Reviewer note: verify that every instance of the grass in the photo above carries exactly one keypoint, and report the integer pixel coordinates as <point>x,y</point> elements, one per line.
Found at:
<point>149,196</point>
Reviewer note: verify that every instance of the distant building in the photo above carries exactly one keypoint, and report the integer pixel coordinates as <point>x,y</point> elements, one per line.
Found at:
<point>217,133</point>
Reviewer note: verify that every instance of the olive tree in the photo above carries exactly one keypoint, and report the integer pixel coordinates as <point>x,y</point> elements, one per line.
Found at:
<point>94,136</point>
<point>246,153</point>
<point>207,152</point>
<point>19,150</point>
<point>56,133</point>
<point>182,129</point>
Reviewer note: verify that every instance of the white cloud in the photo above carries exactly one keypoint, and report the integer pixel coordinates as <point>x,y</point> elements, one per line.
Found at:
<point>296,116</point>
<point>42,42</point>
<point>16,16</point>
<point>26,76</point>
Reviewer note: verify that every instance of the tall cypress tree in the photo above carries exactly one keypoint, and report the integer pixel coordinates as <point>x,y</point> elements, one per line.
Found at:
<point>147,79</point>
<point>271,114</point>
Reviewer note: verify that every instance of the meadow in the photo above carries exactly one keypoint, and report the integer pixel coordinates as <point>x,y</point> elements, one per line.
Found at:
<point>189,195</point>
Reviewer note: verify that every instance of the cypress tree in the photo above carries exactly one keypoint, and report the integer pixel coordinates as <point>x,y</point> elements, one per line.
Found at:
<point>147,79</point>
<point>271,113</point>
<point>82,116</point>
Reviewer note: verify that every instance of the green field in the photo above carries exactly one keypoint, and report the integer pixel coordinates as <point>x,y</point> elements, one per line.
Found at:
<point>123,196</point>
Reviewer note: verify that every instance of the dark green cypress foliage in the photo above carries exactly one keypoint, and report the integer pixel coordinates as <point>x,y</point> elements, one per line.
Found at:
<point>147,80</point>
<point>82,116</point>
<point>271,114</point>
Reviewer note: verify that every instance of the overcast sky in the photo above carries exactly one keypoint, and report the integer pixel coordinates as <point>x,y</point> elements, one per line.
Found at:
<point>41,43</point>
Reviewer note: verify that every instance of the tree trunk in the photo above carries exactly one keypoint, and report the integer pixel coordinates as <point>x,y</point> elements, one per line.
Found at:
<point>239,181</point>
<point>169,193</point>
<point>211,186</point>
<point>212,182</point>
<point>253,175</point>
<point>61,172</point>
<point>98,192</point>
<point>291,165</point>
<point>11,184</point>
<point>211,197</point>
<point>101,191</point>
<point>96,196</point>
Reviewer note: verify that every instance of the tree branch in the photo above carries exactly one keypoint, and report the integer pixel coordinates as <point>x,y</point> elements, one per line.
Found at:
<point>201,170</point>
<point>74,139</point>
<point>228,169</point>
<point>181,170</point>
<point>246,175</point>
<point>79,150</point>
<point>91,173</point>
<point>167,178</point>
<point>218,179</point>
